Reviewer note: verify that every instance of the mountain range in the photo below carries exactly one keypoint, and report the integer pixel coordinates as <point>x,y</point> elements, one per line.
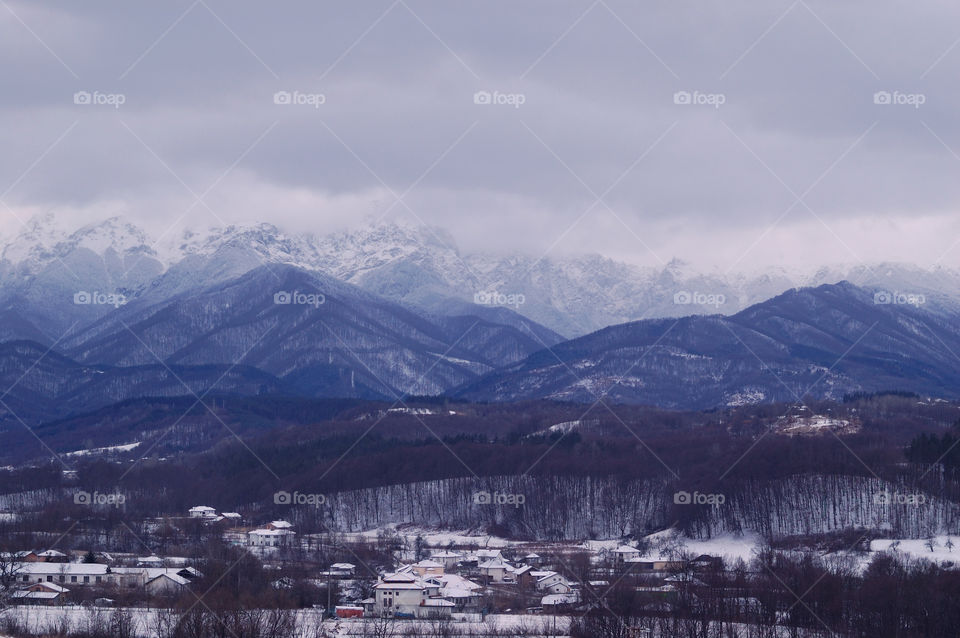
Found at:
<point>101,314</point>
<point>417,266</point>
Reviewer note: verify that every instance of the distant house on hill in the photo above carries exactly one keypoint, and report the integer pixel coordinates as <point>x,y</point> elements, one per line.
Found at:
<point>266,538</point>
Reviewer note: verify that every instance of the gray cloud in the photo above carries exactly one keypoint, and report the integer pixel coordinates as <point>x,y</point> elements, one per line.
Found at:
<point>598,84</point>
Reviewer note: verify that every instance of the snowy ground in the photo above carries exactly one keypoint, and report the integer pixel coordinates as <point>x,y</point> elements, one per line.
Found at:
<point>41,619</point>
<point>729,546</point>
<point>946,549</point>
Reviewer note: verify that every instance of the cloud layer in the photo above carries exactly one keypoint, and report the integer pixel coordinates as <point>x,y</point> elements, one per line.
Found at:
<point>731,134</point>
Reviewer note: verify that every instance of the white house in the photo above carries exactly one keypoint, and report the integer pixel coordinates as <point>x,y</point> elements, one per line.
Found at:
<point>496,570</point>
<point>463,593</point>
<point>624,554</point>
<point>553,583</point>
<point>202,511</point>
<point>408,596</point>
<point>271,538</point>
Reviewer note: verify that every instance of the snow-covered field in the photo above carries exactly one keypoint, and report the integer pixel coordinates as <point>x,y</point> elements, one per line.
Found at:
<point>945,550</point>
<point>41,619</point>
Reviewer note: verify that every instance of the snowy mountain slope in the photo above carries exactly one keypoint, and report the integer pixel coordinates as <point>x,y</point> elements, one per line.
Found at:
<point>829,340</point>
<point>421,267</point>
<point>323,336</point>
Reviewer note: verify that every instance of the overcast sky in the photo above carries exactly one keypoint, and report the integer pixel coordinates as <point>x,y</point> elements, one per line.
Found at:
<point>730,134</point>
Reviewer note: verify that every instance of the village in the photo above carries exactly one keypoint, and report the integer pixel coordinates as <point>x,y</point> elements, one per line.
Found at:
<point>379,576</point>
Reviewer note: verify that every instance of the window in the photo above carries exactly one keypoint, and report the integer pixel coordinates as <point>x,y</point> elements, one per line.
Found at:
<point>73,579</point>
<point>86,579</point>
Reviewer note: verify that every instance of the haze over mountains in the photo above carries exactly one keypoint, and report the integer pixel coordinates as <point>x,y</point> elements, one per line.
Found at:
<point>418,266</point>
<point>104,313</point>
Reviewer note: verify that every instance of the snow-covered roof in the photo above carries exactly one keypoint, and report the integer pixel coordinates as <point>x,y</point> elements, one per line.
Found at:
<point>52,553</point>
<point>281,524</point>
<point>37,595</point>
<point>69,569</point>
<point>180,580</point>
<point>626,549</point>
<point>343,566</point>
<point>559,599</point>
<point>202,508</point>
<point>428,564</point>
<point>51,586</point>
